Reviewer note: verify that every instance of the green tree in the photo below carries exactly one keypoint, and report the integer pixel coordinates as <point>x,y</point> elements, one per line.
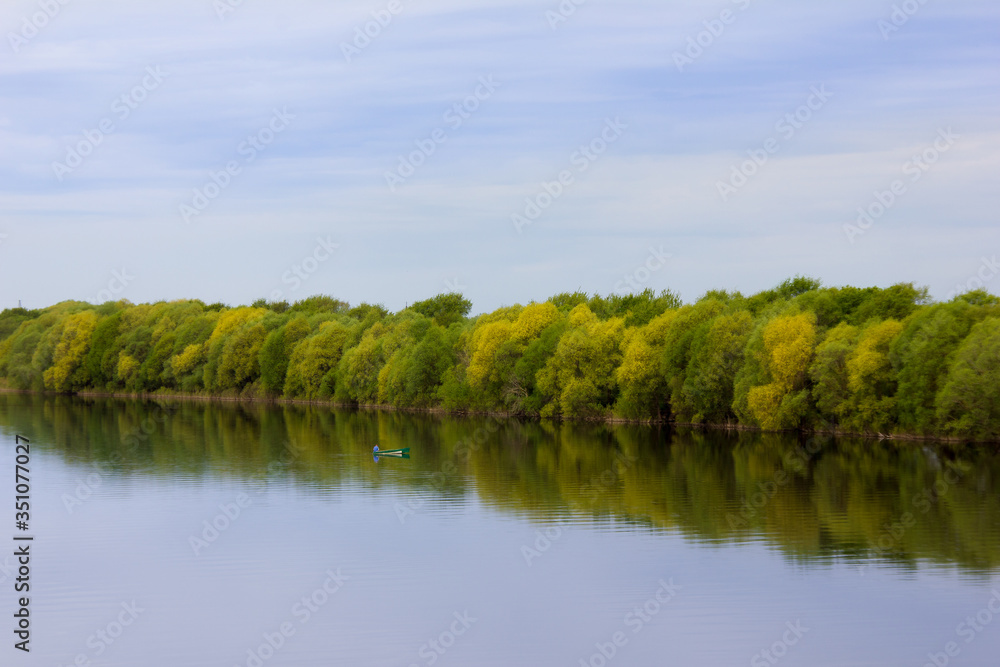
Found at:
<point>716,357</point>
<point>103,353</point>
<point>829,374</point>
<point>431,358</point>
<point>643,387</point>
<point>871,380</point>
<point>240,363</point>
<point>313,358</point>
<point>68,370</point>
<point>444,309</point>
<point>691,324</point>
<point>580,376</point>
<point>276,352</point>
<point>783,401</point>
<point>921,355</point>
<point>968,403</point>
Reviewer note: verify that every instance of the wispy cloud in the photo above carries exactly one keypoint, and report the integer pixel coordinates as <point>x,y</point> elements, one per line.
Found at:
<point>355,117</point>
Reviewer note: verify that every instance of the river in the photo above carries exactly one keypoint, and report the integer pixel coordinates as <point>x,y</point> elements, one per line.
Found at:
<point>193,533</point>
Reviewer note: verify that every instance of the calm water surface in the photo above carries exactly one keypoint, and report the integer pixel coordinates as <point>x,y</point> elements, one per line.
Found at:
<point>257,536</point>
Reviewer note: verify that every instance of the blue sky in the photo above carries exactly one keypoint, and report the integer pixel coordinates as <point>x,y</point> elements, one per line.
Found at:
<point>312,212</point>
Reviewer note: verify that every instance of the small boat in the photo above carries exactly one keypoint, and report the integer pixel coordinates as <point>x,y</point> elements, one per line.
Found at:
<point>391,452</point>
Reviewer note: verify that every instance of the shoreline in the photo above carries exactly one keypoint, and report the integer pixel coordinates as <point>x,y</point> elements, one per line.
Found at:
<point>837,433</point>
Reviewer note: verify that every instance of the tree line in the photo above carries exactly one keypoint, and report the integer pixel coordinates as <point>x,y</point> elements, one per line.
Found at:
<point>798,356</point>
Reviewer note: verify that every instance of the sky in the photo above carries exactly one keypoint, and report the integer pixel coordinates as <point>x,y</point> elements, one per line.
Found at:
<point>385,151</point>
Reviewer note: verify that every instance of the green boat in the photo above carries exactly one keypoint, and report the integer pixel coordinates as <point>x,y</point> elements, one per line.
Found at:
<point>380,452</point>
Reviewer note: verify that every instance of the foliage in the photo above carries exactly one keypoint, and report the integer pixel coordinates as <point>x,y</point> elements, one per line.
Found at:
<point>67,371</point>
<point>716,358</point>
<point>800,355</point>
<point>783,401</point>
<point>444,309</point>
<point>580,377</point>
<point>312,359</point>
<point>968,403</point>
<point>642,384</point>
<point>828,372</point>
<point>871,380</point>
<point>276,352</point>
<point>921,355</point>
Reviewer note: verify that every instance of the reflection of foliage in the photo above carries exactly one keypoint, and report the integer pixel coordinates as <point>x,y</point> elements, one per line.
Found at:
<point>798,356</point>
<point>813,499</point>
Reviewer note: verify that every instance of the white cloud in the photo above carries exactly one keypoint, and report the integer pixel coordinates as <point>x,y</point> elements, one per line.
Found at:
<point>452,218</point>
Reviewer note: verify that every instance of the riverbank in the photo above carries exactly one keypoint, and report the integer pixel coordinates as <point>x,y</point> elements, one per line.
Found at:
<point>729,426</point>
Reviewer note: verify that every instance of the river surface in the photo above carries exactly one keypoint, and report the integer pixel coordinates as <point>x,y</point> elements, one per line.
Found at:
<point>188,533</point>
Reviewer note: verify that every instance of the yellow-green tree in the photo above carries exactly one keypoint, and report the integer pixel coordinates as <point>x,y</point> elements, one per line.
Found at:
<point>67,371</point>
<point>580,376</point>
<point>188,360</point>
<point>360,367</point>
<point>496,347</point>
<point>313,358</point>
<point>783,402</point>
<point>229,325</point>
<point>487,341</point>
<point>127,371</point>
<point>643,388</point>
<point>871,380</point>
<point>240,363</point>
